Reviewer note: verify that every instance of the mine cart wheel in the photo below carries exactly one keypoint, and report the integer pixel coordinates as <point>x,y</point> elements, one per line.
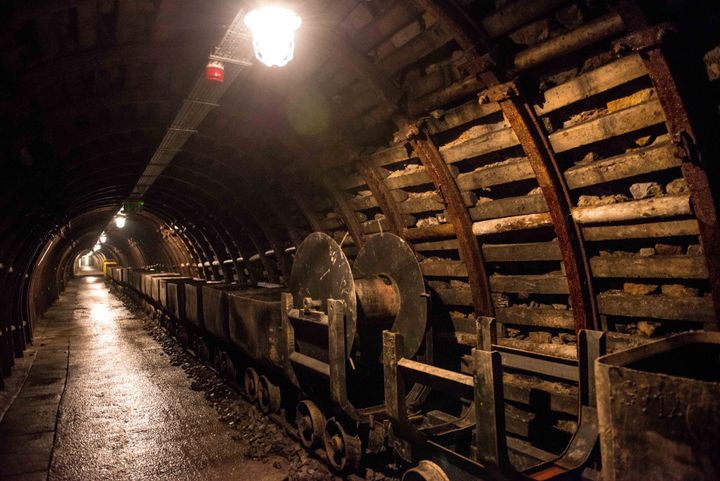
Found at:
<point>425,471</point>
<point>252,383</point>
<point>343,450</point>
<point>310,423</point>
<point>268,396</point>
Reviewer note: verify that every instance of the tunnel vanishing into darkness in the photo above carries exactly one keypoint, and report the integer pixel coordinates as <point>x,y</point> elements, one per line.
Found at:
<point>467,239</point>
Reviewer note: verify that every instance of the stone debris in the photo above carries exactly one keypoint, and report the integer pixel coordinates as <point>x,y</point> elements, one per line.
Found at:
<point>694,250</point>
<point>631,100</point>
<point>363,193</point>
<point>647,328</point>
<point>535,191</point>
<point>532,33</point>
<point>540,337</point>
<point>584,116</point>
<point>647,252</point>
<point>643,190</point>
<point>588,158</point>
<point>408,169</point>
<point>500,300</point>
<point>639,289</point>
<point>595,200</point>
<point>677,187</point>
<point>668,250</point>
<point>427,221</point>
<point>455,284</point>
<point>678,290</point>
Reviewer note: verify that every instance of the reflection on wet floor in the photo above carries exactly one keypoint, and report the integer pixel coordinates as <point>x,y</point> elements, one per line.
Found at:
<point>102,402</point>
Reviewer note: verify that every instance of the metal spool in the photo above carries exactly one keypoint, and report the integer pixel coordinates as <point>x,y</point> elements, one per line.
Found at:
<point>386,282</point>
<point>388,279</point>
<point>321,272</point>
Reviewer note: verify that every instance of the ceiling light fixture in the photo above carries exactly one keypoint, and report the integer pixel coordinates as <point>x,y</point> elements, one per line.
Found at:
<point>273,29</point>
<point>120,222</point>
<point>96,247</point>
<point>103,238</point>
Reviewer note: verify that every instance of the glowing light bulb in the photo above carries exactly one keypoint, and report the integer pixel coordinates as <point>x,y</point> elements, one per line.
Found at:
<point>96,247</point>
<point>273,29</point>
<point>120,222</point>
<point>103,238</point>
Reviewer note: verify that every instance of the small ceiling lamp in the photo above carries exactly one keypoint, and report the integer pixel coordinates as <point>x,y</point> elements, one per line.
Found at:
<point>273,29</point>
<point>120,222</point>
<point>96,247</point>
<point>103,238</point>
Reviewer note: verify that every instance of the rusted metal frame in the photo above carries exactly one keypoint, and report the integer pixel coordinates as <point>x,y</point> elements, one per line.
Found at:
<point>468,247</point>
<point>382,195</point>
<point>650,43</point>
<point>534,141</point>
<point>351,221</point>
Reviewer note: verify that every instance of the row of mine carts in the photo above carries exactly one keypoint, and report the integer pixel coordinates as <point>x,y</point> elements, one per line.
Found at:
<point>344,357</point>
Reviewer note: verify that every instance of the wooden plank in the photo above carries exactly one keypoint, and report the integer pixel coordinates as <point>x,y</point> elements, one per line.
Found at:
<point>699,309</point>
<point>661,267</point>
<point>443,268</point>
<point>640,231</point>
<point>652,159</point>
<point>460,115</point>
<point>512,170</point>
<point>633,210</point>
<point>512,15</point>
<point>526,316</point>
<point>508,207</point>
<point>611,125</point>
<point>414,205</point>
<point>535,284</point>
<point>535,251</point>
<point>592,83</point>
<point>455,297</point>
<point>442,245</point>
<point>477,146</point>
<point>391,155</point>
<point>411,179</point>
<point>509,224</point>
<point>417,48</point>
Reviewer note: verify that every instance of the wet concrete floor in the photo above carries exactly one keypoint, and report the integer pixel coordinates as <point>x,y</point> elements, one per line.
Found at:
<point>102,402</point>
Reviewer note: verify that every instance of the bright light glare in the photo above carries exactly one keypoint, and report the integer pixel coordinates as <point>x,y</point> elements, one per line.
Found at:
<point>120,222</point>
<point>103,238</point>
<point>96,247</point>
<point>273,30</point>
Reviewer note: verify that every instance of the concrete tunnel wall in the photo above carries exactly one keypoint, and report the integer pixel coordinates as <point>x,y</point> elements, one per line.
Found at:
<point>586,197</point>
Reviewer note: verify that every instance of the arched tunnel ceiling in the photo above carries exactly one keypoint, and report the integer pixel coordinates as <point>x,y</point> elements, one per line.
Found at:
<point>503,139</point>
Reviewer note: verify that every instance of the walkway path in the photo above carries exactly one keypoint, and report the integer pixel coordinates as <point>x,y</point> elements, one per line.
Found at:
<point>102,402</point>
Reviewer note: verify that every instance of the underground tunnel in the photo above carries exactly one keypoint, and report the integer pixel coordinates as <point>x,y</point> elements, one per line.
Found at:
<point>382,240</point>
